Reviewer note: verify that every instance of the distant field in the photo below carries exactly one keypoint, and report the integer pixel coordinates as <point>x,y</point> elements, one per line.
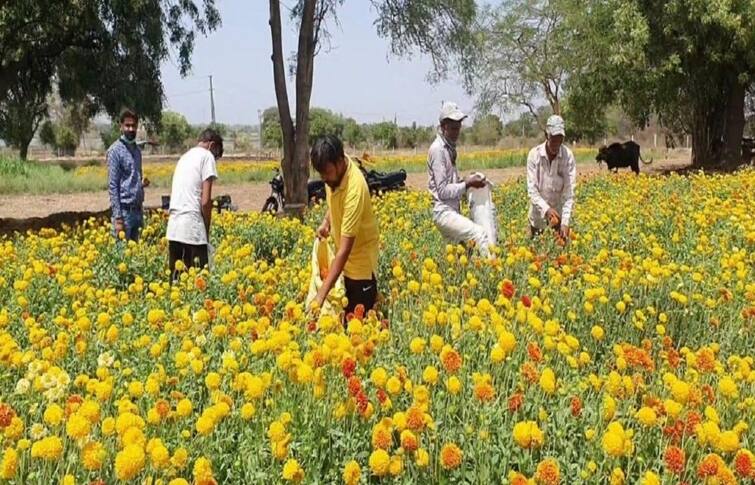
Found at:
<point>17,177</point>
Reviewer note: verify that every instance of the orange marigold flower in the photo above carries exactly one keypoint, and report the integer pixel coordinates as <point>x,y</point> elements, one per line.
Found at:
<point>533,350</point>
<point>382,437</point>
<point>163,408</point>
<point>674,458</point>
<point>415,419</point>
<point>576,406</point>
<point>743,464</point>
<point>6,415</point>
<point>548,473</point>
<point>348,366</point>
<point>529,372</point>
<point>484,391</point>
<point>705,360</point>
<point>450,456</point>
<point>709,466</point>
<point>516,401</point>
<point>451,360</point>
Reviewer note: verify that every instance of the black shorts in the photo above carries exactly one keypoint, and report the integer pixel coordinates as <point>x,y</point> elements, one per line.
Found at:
<point>192,255</point>
<point>360,292</point>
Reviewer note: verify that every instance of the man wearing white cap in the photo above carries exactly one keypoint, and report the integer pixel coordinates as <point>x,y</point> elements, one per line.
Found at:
<point>551,177</point>
<point>447,187</point>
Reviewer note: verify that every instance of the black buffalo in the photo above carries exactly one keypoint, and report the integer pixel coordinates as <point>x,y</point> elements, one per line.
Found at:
<point>619,155</point>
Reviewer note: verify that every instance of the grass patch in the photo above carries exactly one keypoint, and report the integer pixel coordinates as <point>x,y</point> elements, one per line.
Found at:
<point>28,177</point>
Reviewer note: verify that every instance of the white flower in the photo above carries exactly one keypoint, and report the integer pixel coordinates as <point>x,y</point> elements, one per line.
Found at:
<point>105,359</point>
<point>22,386</point>
<point>38,431</point>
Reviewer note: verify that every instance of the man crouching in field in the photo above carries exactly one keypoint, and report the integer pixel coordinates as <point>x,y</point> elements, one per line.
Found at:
<point>191,203</point>
<point>351,219</point>
<point>447,188</point>
<point>551,177</point>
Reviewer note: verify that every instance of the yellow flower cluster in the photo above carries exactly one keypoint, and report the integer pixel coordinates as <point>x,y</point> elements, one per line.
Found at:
<point>622,357</point>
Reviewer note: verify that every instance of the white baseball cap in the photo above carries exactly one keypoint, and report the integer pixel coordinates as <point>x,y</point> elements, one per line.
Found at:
<point>451,111</point>
<point>555,126</point>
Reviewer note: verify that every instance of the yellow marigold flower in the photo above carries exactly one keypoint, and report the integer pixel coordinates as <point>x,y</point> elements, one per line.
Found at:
<point>650,478</point>
<point>68,480</point>
<point>212,380</point>
<point>728,442</point>
<point>292,471</point>
<point>93,455</point>
<point>379,462</point>
<point>681,391</point>
<point>159,456</point>
<point>615,440</point>
<point>247,411</point>
<point>78,427</point>
<point>179,458</point>
<point>178,481</point>
<point>9,464</point>
<point>597,332</point>
<point>430,375</point>
<point>396,465</point>
<point>646,416</point>
<point>422,458</point>
<point>352,473</point>
<point>548,380</point>
<point>90,410</point>
<point>184,408</point>
<point>205,424</point>
<point>393,386</point>
<point>527,434</point>
<point>617,477</point>
<point>53,415</point>
<point>672,408</point>
<point>49,448</point>
<point>203,472</point>
<point>609,407</point>
<point>129,462</point>
<point>453,384</point>
<point>728,388</point>
<point>417,345</point>
<point>450,456</point>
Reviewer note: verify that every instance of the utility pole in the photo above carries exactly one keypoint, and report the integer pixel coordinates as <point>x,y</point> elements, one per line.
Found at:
<point>212,100</point>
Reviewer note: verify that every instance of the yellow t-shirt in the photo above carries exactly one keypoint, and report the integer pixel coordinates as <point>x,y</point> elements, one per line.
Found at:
<point>351,215</point>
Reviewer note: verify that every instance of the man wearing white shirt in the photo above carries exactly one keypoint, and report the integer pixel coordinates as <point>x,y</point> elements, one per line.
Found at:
<point>191,202</point>
<point>446,185</point>
<point>551,177</point>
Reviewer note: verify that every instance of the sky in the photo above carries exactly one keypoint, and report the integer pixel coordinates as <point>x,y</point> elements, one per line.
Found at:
<point>357,77</point>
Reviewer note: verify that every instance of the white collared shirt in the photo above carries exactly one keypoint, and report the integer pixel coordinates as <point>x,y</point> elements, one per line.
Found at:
<point>550,184</point>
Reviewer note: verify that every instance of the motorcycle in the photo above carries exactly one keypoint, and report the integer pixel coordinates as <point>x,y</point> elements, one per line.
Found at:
<point>276,201</point>
<point>382,181</point>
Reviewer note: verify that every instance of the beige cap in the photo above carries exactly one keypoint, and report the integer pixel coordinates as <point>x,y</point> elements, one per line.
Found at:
<point>451,111</point>
<point>555,126</point>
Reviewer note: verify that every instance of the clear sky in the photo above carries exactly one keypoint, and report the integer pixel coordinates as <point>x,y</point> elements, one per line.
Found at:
<point>357,77</point>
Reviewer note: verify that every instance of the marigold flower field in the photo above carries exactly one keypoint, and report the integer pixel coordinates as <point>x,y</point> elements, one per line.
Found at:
<point>623,357</point>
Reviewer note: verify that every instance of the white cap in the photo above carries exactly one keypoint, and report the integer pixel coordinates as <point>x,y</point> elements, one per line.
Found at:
<point>451,111</point>
<point>555,126</point>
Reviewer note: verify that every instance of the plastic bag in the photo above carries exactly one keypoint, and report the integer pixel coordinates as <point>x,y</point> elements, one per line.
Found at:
<point>210,255</point>
<point>482,210</point>
<point>322,257</point>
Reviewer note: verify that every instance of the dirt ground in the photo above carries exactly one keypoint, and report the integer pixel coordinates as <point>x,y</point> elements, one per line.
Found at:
<point>249,196</point>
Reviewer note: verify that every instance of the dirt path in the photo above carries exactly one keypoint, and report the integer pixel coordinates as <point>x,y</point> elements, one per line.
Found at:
<point>247,197</point>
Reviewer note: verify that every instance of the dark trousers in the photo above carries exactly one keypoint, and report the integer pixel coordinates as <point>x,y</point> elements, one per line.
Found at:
<point>360,292</point>
<point>192,255</point>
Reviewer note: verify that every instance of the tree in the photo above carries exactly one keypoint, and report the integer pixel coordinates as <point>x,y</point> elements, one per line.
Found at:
<point>486,130</point>
<point>438,28</point>
<point>22,108</point>
<point>107,50</point>
<point>174,131</point>
<point>385,134</point>
<point>272,136</point>
<point>689,62</point>
<point>325,122</point>
<point>353,133</point>
<point>525,57</point>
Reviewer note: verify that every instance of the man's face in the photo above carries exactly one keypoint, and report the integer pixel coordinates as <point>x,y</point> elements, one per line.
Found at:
<point>216,149</point>
<point>129,127</point>
<point>554,143</point>
<point>332,174</point>
<point>451,130</point>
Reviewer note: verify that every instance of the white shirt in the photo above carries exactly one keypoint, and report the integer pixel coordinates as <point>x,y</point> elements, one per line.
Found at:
<point>186,224</point>
<point>444,182</point>
<point>550,184</point>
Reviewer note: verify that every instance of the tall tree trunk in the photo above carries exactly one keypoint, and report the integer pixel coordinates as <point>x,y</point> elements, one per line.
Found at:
<point>735,125</point>
<point>23,149</point>
<point>281,96</point>
<point>305,60</point>
<point>707,134</point>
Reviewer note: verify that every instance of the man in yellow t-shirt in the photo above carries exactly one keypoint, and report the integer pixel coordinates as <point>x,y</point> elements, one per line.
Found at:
<point>351,220</point>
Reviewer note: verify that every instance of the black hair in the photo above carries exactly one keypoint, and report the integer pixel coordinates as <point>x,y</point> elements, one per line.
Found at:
<point>210,135</point>
<point>326,149</point>
<point>128,113</point>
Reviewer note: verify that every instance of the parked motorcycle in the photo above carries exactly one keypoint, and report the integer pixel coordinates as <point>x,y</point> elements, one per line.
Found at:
<point>383,181</point>
<point>276,201</point>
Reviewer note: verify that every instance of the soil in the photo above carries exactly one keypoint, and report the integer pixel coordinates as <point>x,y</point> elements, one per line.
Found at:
<point>19,212</point>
